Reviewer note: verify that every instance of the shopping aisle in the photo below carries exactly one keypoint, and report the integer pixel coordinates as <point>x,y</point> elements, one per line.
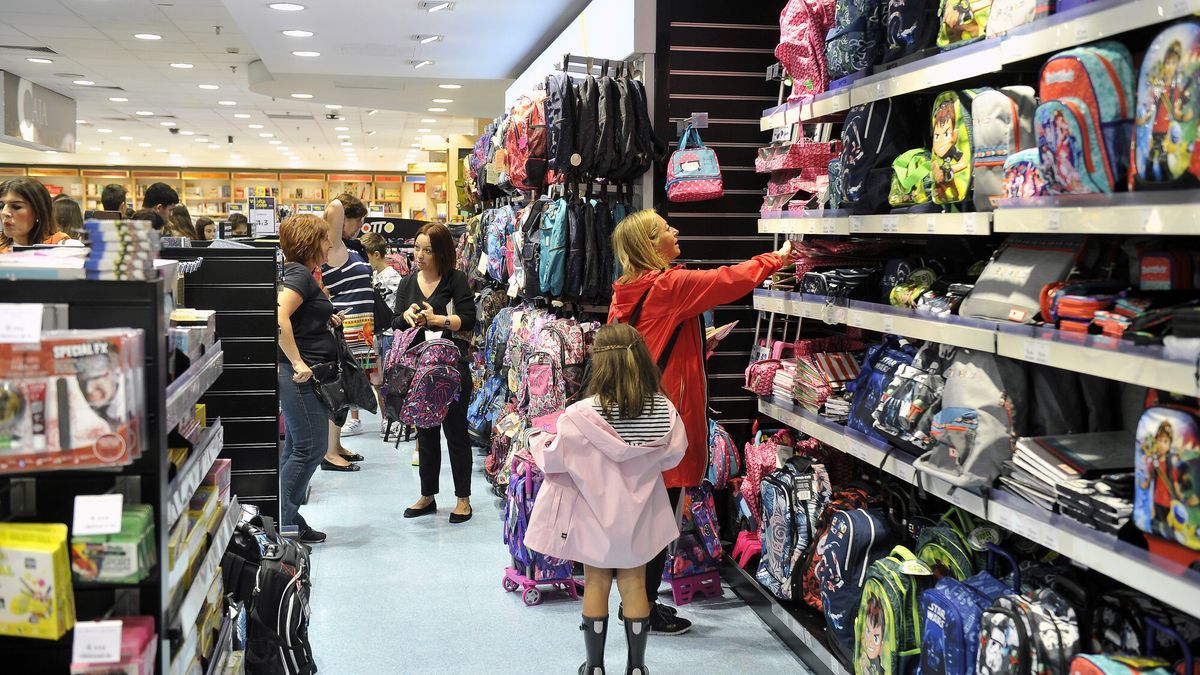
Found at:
<point>424,596</point>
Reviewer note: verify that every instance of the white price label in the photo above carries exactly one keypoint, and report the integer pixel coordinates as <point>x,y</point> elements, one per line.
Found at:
<point>97,641</point>
<point>1179,7</point>
<point>828,226</point>
<point>1050,538</point>
<point>958,498</point>
<point>810,228</point>
<point>970,223</point>
<point>98,514</point>
<point>891,224</point>
<point>839,315</point>
<point>1152,224</point>
<point>1037,351</point>
<point>858,449</point>
<point>809,311</point>
<point>1082,34</point>
<point>20,322</point>
<point>888,323</point>
<point>881,90</point>
<point>931,224</point>
<point>857,319</point>
<point>905,471</point>
<point>856,224</point>
<point>1053,221</point>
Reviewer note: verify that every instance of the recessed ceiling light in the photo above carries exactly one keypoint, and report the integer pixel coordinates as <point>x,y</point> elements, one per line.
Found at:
<point>37,59</point>
<point>242,116</point>
<point>426,39</point>
<point>286,6</point>
<point>160,149</point>
<point>346,144</point>
<point>341,128</point>
<point>333,106</point>
<point>255,126</point>
<point>226,102</point>
<point>114,154</point>
<point>214,146</point>
<point>201,140</point>
<point>167,124</point>
<point>80,121</point>
<point>275,141</point>
<point>343,137</point>
<point>302,95</point>
<point>83,83</point>
<point>443,100</point>
<point>143,145</point>
<point>182,66</point>
<point>370,133</point>
<point>374,147</point>
<point>424,131</point>
<point>297,33</point>
<point>450,86</point>
<point>371,112</point>
<point>235,157</point>
<point>94,149</point>
<point>144,113</point>
<point>436,109</point>
<point>429,120</point>
<point>438,6</point>
<point>118,99</point>
<point>210,87</point>
<point>104,131</point>
<point>421,64</point>
<point>147,36</point>
<point>305,52</point>
<point>266,135</point>
<point>416,145</point>
<point>187,133</point>
<point>284,149</point>
<point>127,138</point>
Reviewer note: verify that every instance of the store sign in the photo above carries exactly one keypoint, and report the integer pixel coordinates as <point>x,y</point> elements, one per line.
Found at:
<point>392,228</point>
<point>35,117</point>
<point>262,215</point>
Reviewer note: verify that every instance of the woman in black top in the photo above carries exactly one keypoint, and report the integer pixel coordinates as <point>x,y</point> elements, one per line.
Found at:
<point>437,297</point>
<point>305,314</point>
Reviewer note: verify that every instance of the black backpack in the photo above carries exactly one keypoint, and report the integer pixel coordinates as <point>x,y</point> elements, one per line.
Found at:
<point>560,107</point>
<point>269,574</point>
<point>604,158</point>
<point>531,247</point>
<point>604,232</point>
<point>650,148</point>
<point>577,250</point>
<point>909,26</point>
<point>871,138</point>
<point>593,262</point>
<point>626,132</point>
<point>587,122</point>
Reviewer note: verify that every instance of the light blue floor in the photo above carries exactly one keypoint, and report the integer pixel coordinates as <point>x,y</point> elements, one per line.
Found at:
<point>423,596</point>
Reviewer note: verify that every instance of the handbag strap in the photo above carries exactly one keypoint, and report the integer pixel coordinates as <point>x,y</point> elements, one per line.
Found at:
<point>690,136</point>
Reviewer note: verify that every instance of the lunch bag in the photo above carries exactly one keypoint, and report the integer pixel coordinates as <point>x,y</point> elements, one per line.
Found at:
<point>693,175</point>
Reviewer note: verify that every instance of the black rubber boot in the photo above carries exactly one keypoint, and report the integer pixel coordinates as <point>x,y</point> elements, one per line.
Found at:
<point>595,632</point>
<point>637,632</point>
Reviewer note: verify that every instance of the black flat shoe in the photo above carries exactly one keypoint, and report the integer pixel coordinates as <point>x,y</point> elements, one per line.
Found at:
<point>426,510</point>
<point>353,457</point>
<point>327,465</point>
<point>461,517</point>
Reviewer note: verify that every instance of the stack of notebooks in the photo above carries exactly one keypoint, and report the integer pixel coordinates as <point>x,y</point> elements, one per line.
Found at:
<point>121,250</point>
<point>783,385</point>
<point>821,383</point>
<point>1083,476</point>
<point>811,389</point>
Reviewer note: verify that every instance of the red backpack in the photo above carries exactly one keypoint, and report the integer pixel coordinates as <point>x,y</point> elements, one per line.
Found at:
<point>525,143</point>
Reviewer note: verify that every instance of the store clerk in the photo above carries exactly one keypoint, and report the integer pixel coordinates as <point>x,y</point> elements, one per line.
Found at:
<point>28,217</point>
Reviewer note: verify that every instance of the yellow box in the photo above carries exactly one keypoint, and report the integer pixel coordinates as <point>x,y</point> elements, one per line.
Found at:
<point>36,597</point>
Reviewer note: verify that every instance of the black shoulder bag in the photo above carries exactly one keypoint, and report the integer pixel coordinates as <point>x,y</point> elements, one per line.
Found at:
<point>341,383</point>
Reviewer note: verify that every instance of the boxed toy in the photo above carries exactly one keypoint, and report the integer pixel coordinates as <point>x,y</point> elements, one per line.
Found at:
<point>219,476</point>
<point>36,598</point>
<point>126,557</point>
<point>204,507</point>
<point>139,646</point>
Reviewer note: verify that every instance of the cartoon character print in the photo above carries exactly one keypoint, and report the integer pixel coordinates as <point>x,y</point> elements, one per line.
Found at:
<point>948,159</point>
<point>852,154</point>
<point>1155,474</point>
<point>961,20</point>
<point>1023,180</point>
<point>1172,104</point>
<point>1057,148</point>
<point>998,649</point>
<point>871,640</point>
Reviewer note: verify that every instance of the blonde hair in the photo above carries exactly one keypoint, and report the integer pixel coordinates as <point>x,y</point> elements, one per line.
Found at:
<point>624,377</point>
<point>635,244</point>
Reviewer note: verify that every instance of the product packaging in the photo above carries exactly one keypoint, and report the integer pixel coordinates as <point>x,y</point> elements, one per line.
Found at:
<point>219,477</point>
<point>36,597</point>
<point>126,557</point>
<point>139,647</point>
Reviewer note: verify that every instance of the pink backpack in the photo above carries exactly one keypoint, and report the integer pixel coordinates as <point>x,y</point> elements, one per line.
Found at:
<point>803,25</point>
<point>423,381</point>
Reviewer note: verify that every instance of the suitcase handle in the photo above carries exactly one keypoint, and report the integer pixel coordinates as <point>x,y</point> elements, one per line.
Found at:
<point>993,551</point>
<point>1153,626</point>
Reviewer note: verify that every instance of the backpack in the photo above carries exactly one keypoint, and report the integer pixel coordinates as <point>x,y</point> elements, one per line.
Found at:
<point>952,611</point>
<point>854,38</point>
<point>1021,635</point>
<point>525,143</point>
<point>587,127</point>
<point>1023,176</point>
<point>944,546</point>
<point>1167,471</point>
<point>650,147</point>
<point>1085,132</point>
<point>792,499</point>
<point>908,27</point>
<point>1165,153</point>
<point>1002,122</point>
<point>855,539</point>
<point>963,21</point>
<point>693,174</point>
<point>808,580</point>
<point>888,627</point>
<point>531,247</point>
<point>871,137</point>
<point>270,574</point>
<point>604,156</point>
<point>560,106</point>
<point>625,136</point>
<point>606,224</point>
<point>554,245</point>
<point>984,409</point>
<point>803,25</point>
<point>723,462</point>
<point>500,223</point>
<point>593,263</point>
<point>878,370</point>
<point>578,249</point>
<point>906,408</point>
<point>698,549</point>
<point>563,340</point>
<point>952,146</point>
<point>1006,15</point>
<point>524,483</point>
<point>425,381</point>
<point>912,179</point>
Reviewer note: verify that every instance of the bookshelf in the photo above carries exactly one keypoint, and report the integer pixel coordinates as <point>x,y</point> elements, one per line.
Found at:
<point>59,181</point>
<point>94,182</point>
<point>143,179</point>
<point>206,193</point>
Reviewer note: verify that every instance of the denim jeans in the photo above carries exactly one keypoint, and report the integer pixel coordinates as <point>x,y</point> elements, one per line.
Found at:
<point>306,437</point>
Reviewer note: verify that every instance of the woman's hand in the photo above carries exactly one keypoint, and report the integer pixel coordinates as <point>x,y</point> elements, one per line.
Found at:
<point>413,316</point>
<point>337,319</point>
<point>785,252</point>
<point>427,315</point>
<point>303,372</point>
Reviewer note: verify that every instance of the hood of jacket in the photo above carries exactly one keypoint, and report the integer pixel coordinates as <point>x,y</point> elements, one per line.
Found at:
<point>604,438</point>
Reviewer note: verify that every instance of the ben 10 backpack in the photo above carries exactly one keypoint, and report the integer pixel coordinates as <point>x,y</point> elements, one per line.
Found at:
<point>953,149</point>
<point>887,630</point>
<point>1167,471</point>
<point>1165,153</point>
<point>963,21</point>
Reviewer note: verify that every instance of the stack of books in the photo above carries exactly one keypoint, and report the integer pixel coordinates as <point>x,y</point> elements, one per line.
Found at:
<point>121,250</point>
<point>1043,468</point>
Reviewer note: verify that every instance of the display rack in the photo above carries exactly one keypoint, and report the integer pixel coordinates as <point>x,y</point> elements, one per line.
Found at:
<point>1167,212</point>
<point>840,222</point>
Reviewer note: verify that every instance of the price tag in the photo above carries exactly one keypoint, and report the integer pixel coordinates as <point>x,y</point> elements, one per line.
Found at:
<point>958,498</point>
<point>888,323</point>
<point>905,472</point>
<point>828,226</point>
<point>856,224</point>
<point>1037,351</point>
<point>1152,224</point>
<point>857,319</point>
<point>98,514</point>
<point>881,90</point>
<point>839,315</point>
<point>1179,7</point>
<point>891,224</point>
<point>20,322</point>
<point>1053,221</point>
<point>858,449</point>
<point>1050,538</point>
<point>808,311</point>
<point>97,641</point>
<point>433,335</point>
<point>999,516</point>
<point>1081,34</point>
<point>970,223</point>
<point>482,267</point>
<point>931,224</point>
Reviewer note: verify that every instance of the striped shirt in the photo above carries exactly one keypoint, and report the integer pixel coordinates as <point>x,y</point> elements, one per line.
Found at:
<point>653,424</point>
<point>351,292</point>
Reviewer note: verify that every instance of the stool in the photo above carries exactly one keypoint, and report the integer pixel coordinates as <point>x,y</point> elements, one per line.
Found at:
<point>685,589</point>
<point>746,547</point>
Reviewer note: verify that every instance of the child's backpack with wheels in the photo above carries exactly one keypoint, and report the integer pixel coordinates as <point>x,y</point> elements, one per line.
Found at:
<point>792,499</point>
<point>855,539</point>
<point>887,630</point>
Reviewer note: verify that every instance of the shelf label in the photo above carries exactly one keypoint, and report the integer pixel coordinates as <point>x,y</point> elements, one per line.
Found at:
<point>881,89</point>
<point>21,322</point>
<point>970,223</point>
<point>98,514</point>
<point>857,319</point>
<point>828,226</point>
<point>1037,351</point>
<point>931,224</point>
<point>1082,34</point>
<point>856,224</point>
<point>97,642</point>
<point>858,449</point>
<point>1053,220</point>
<point>891,224</point>
<point>888,324</point>
<point>956,498</point>
<point>1152,223</point>
<point>839,315</point>
<point>808,311</point>
<point>905,471</point>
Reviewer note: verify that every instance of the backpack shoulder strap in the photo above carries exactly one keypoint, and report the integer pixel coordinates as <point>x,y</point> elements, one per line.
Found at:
<point>636,315</point>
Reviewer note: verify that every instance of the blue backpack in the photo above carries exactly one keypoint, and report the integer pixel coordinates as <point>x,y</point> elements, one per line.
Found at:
<point>952,610</point>
<point>880,367</point>
<point>854,540</point>
<point>856,38</point>
<point>792,499</point>
<point>500,225</point>
<point>553,262</point>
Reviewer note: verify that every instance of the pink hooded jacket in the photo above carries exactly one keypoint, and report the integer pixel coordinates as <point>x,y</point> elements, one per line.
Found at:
<point>603,502</point>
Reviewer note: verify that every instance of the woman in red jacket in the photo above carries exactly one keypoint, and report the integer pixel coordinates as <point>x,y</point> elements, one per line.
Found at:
<point>665,304</point>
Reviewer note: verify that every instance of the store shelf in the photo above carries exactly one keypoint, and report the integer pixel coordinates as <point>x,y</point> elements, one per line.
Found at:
<point>1120,213</point>
<point>189,608</point>
<point>1169,582</point>
<point>221,647</point>
<point>207,448</point>
<point>1093,21</point>
<point>840,222</point>
<point>186,390</point>
<point>804,222</point>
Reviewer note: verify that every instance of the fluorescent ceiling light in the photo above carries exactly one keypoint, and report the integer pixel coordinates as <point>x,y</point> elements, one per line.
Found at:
<point>342,137</point>
<point>266,135</point>
<point>275,141</point>
<point>167,124</point>
<point>346,144</point>
<point>144,113</point>
<point>341,128</point>
<point>436,109</point>
<point>37,59</point>
<point>286,6</point>
<point>333,106</point>
<point>208,86</point>
<point>421,64</point>
<point>83,83</point>
<point>305,53</point>
<point>370,133</point>
<point>226,102</point>
<point>437,7</point>
<point>450,86</point>
<point>371,112</point>
<point>255,126</point>
<point>427,39</point>
<point>424,131</point>
<point>147,36</point>
<point>187,133</point>
<point>160,149</point>
<point>443,100</point>
<point>104,131</point>
<point>80,121</point>
<point>302,95</point>
<point>118,99</point>
<point>297,33</point>
<point>242,116</point>
<point>374,147</point>
<point>429,120</point>
<point>127,138</point>
<point>94,149</point>
<point>182,66</point>
<point>143,145</point>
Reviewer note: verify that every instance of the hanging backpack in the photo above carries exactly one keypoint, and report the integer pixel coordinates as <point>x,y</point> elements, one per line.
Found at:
<point>1165,152</point>
<point>871,137</point>
<point>1002,122</point>
<point>963,21</point>
<point>878,370</point>
<point>855,38</point>
<point>587,127</point>
<point>855,539</point>
<point>912,179</point>
<point>1006,15</point>
<point>424,382</point>
<point>792,499</point>
<point>526,143</point>
<point>944,547</point>
<point>604,157</point>
<point>693,174</point>
<point>650,147</point>
<point>908,27</point>
<point>807,581</point>
<point>531,247</point>
<point>1024,635</point>
<point>985,406</point>
<point>951,612</point>
<point>904,414</point>
<point>593,263</point>
<point>952,146</point>
<point>723,462</point>
<point>606,224</point>
<point>552,261</point>
<point>625,135</point>
<point>888,626</point>
<point>803,25</point>
<point>500,223</point>
<point>560,106</point>
<point>1167,470</point>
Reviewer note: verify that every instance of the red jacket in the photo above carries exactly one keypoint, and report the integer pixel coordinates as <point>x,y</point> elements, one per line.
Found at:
<point>681,295</point>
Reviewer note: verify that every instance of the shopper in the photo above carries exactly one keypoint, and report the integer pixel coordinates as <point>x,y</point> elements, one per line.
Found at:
<point>160,198</point>
<point>69,218</point>
<point>112,198</point>
<point>665,299</point>
<point>149,215</point>
<point>437,297</point>
<point>386,280</point>
<point>206,228</point>
<point>27,216</point>
<point>239,225</point>
<point>179,222</point>
<point>305,339</point>
<point>607,459</point>
<point>353,215</point>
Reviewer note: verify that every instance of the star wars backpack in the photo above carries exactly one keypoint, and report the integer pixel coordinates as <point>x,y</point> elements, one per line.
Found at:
<point>1165,152</point>
<point>953,149</point>
<point>952,611</point>
<point>1023,635</point>
<point>1167,471</point>
<point>1002,121</point>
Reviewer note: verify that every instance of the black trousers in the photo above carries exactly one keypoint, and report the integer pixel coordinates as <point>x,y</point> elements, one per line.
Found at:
<point>654,568</point>
<point>429,445</point>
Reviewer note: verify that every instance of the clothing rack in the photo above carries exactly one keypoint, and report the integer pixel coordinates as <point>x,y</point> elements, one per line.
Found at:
<point>587,65</point>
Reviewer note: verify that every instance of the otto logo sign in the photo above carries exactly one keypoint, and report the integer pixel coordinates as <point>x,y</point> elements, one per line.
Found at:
<point>378,227</point>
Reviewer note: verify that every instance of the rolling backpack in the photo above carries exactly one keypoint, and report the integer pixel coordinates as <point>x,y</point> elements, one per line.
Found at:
<point>963,21</point>
<point>855,539</point>
<point>1165,153</point>
<point>560,106</point>
<point>871,138</point>
<point>552,261</point>
<point>855,38</point>
<point>888,626</point>
<point>524,483</point>
<point>1024,635</point>
<point>803,25</point>
<point>792,499</point>
<point>908,27</point>
<point>1137,662</point>
<point>952,611</point>
<point>812,567</point>
<point>1167,470</point>
<point>1003,126</point>
<point>953,148</point>
<point>425,381</point>
<point>723,462</point>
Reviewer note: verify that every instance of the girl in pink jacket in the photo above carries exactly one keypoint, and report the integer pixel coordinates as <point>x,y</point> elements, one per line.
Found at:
<point>603,502</point>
